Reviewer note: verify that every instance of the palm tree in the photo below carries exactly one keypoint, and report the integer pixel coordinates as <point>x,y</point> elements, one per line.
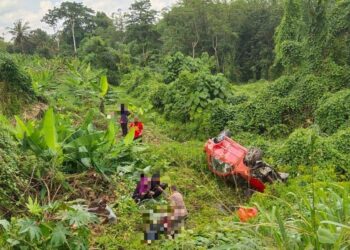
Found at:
<point>19,31</point>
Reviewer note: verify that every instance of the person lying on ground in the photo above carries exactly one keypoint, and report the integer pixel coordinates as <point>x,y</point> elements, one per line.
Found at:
<point>138,128</point>
<point>155,223</point>
<point>142,190</point>
<point>179,214</point>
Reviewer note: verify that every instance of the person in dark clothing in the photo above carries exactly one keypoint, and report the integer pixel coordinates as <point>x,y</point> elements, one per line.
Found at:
<point>157,188</point>
<point>124,113</point>
<point>145,190</point>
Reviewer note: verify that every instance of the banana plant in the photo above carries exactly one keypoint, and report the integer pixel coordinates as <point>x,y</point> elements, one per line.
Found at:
<point>75,149</point>
<point>103,91</point>
<point>40,138</point>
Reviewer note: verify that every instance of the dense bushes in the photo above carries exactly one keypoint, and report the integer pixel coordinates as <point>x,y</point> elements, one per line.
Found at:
<point>178,62</point>
<point>193,93</point>
<point>15,170</point>
<point>55,226</point>
<point>10,175</point>
<point>192,88</point>
<point>306,147</point>
<point>287,103</point>
<point>14,77</point>
<point>341,141</point>
<point>95,51</point>
<point>334,111</point>
<point>15,86</point>
<point>142,83</point>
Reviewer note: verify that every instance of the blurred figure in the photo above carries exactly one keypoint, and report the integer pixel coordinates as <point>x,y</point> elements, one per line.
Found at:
<point>138,128</point>
<point>179,214</point>
<point>157,188</point>
<point>142,190</point>
<point>155,223</point>
<point>124,113</point>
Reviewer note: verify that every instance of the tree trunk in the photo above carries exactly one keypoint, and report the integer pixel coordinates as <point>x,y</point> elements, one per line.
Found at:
<point>57,38</point>
<point>21,41</point>
<point>143,55</point>
<point>58,44</point>
<point>194,44</point>
<point>73,34</point>
<point>215,47</point>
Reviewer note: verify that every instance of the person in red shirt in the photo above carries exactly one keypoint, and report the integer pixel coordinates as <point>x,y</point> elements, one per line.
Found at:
<point>138,128</point>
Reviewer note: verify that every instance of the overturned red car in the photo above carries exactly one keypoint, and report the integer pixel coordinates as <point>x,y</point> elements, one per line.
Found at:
<point>230,160</point>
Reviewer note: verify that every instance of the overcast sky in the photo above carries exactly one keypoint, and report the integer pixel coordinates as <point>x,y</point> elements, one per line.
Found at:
<point>33,10</point>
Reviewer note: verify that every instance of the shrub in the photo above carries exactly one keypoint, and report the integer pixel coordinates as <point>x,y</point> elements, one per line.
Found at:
<point>177,63</point>
<point>15,86</point>
<point>158,96</point>
<point>142,83</point>
<point>291,54</point>
<point>55,226</point>
<point>74,149</point>
<point>95,51</point>
<point>278,130</point>
<point>337,76</point>
<point>15,170</point>
<point>306,147</point>
<point>341,141</point>
<point>289,102</point>
<point>193,93</point>
<point>14,77</point>
<point>174,65</point>
<point>10,174</point>
<point>334,111</point>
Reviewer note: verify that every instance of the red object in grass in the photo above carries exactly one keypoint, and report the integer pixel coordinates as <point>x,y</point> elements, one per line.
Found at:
<point>232,154</point>
<point>246,213</point>
<point>138,129</point>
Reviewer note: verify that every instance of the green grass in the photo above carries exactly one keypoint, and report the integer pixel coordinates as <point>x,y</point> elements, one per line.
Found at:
<point>284,209</point>
<point>208,199</point>
<point>287,216</point>
<point>250,89</point>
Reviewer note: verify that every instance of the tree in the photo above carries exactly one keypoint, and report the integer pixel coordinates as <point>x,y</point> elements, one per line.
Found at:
<point>3,44</point>
<point>51,20</point>
<point>119,19</point>
<point>19,31</point>
<point>223,36</point>
<point>40,42</point>
<point>185,28</point>
<point>95,51</point>
<point>105,28</point>
<point>287,36</point>
<point>74,15</point>
<point>255,46</point>
<point>140,27</point>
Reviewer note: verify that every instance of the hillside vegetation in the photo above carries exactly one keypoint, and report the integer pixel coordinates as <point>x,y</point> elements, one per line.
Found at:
<point>275,73</point>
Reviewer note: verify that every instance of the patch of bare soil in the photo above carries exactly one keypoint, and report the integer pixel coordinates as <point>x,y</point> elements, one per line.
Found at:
<point>90,186</point>
<point>34,111</point>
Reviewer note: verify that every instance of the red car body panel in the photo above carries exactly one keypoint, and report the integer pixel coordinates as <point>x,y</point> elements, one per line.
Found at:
<point>230,152</point>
